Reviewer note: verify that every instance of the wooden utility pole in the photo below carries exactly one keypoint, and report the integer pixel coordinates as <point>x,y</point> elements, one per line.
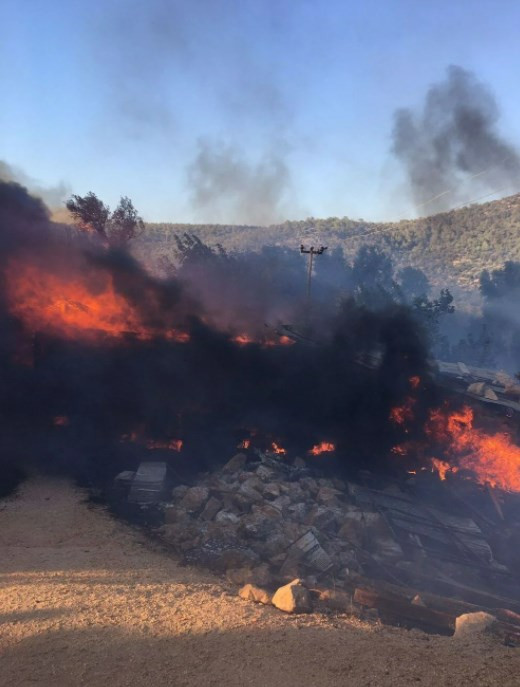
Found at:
<point>311,252</point>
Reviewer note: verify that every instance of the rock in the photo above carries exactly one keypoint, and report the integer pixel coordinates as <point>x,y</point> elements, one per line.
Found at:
<point>271,491</point>
<point>255,526</point>
<point>244,476</point>
<point>274,544</point>
<point>250,494</point>
<point>470,624</point>
<point>296,493</point>
<point>339,484</point>
<point>264,473</point>
<point>254,482</point>
<point>175,514</point>
<point>322,518</point>
<point>238,503</point>
<point>226,517</point>
<point>282,502</point>
<point>251,592</point>
<point>235,464</point>
<point>309,484</point>
<point>212,507</point>
<point>298,511</point>
<point>179,492</point>
<point>267,510</point>
<point>335,600</point>
<point>328,496</point>
<point>236,557</point>
<point>299,462</point>
<point>194,498</point>
<point>292,598</point>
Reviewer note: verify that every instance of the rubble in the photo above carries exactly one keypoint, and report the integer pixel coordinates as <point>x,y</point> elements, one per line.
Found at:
<point>377,549</point>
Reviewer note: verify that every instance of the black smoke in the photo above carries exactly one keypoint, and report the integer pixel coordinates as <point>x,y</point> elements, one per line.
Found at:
<point>451,149</point>
<point>210,392</point>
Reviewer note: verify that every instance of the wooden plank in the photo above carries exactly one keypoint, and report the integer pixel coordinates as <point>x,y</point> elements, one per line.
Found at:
<point>396,611</point>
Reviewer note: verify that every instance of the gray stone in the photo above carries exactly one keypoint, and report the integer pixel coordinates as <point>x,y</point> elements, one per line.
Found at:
<point>328,497</point>
<point>225,517</point>
<point>212,507</point>
<point>250,494</point>
<point>310,485</point>
<point>179,492</point>
<point>235,464</point>
<point>265,474</point>
<point>271,491</point>
<point>298,511</point>
<point>195,498</point>
<point>282,503</point>
<point>292,598</point>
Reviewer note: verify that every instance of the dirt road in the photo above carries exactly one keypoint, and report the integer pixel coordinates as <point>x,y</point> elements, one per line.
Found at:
<point>86,600</point>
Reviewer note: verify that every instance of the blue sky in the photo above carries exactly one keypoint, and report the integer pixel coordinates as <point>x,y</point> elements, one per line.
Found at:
<point>289,103</point>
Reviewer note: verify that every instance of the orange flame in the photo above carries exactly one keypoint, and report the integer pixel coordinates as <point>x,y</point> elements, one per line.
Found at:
<point>493,458</point>
<point>400,415</point>
<point>73,308</point>
<point>275,448</point>
<point>244,444</point>
<point>443,467</point>
<point>323,447</point>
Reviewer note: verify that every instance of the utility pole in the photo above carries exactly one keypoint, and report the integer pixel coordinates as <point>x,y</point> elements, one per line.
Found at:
<point>311,252</point>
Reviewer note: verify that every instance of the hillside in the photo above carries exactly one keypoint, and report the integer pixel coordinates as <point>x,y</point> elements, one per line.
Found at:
<point>451,248</point>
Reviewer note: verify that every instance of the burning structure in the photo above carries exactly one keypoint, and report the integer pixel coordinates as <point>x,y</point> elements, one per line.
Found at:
<point>104,365</point>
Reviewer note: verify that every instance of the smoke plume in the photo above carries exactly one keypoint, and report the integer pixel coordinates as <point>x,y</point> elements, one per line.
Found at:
<point>451,150</point>
<point>228,188</point>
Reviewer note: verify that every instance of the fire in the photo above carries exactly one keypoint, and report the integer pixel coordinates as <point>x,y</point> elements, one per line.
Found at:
<point>443,467</point>
<point>276,448</point>
<point>73,307</point>
<point>493,458</point>
<point>244,444</point>
<point>322,447</point>
<point>171,445</point>
<point>415,381</point>
<point>245,339</point>
<point>402,414</point>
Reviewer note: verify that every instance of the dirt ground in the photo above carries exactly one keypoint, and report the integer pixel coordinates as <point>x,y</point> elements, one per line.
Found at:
<point>86,600</point>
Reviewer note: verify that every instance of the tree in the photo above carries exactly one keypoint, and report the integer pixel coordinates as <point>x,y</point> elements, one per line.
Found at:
<point>124,224</point>
<point>90,213</point>
<point>117,228</point>
<point>430,313</point>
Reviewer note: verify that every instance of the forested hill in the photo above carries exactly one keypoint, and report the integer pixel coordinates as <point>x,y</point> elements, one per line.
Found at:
<point>451,248</point>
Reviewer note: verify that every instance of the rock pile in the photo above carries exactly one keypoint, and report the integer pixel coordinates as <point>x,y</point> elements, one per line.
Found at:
<point>269,521</point>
